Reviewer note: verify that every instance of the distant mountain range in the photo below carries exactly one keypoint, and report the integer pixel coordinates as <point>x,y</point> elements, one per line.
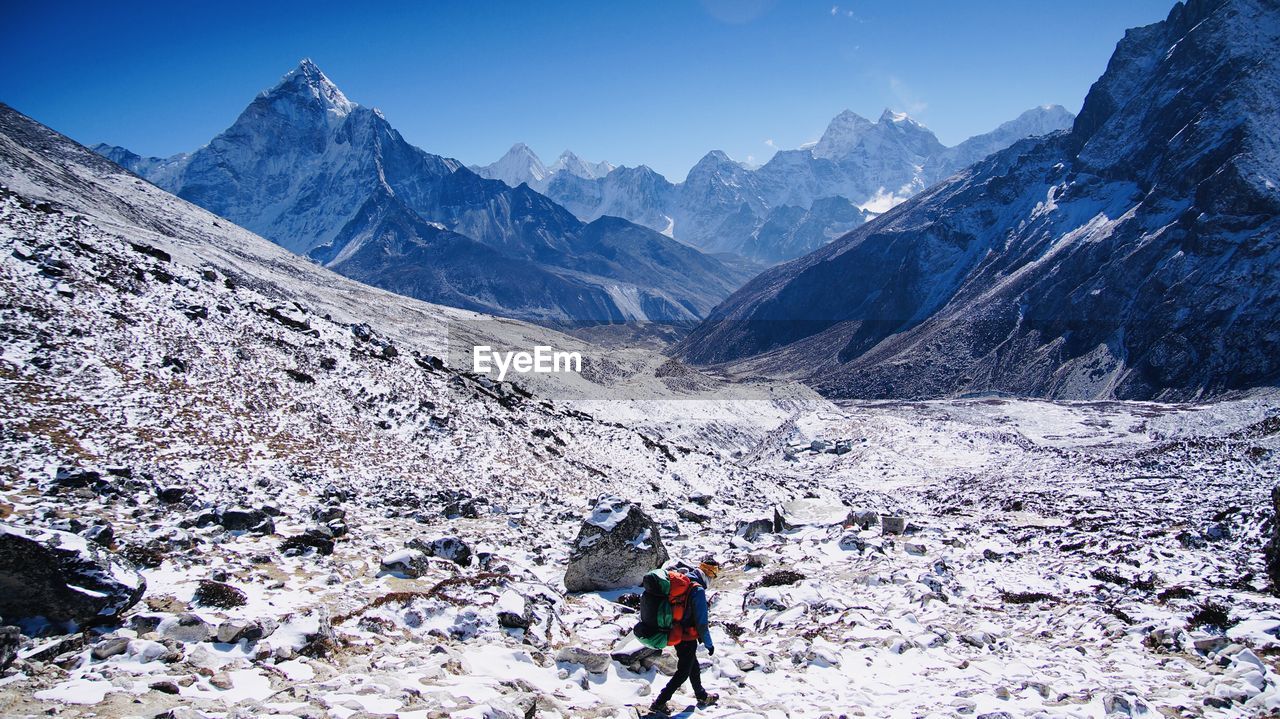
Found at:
<point>326,177</point>
<point>522,165</point>
<point>1135,256</point>
<point>793,204</point>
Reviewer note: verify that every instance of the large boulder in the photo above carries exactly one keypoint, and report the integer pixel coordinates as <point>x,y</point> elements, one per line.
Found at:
<point>451,548</point>
<point>809,513</point>
<point>245,519</point>
<point>63,577</point>
<point>749,530</point>
<point>410,563</point>
<point>616,546</point>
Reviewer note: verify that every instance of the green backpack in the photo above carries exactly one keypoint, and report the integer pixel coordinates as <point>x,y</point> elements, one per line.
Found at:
<point>664,606</point>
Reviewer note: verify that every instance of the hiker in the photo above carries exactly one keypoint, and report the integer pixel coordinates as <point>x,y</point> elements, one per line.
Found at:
<point>686,634</point>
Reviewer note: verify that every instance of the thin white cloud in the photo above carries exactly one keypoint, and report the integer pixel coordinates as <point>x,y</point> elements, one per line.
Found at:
<point>836,11</point>
<point>769,143</point>
<point>907,100</point>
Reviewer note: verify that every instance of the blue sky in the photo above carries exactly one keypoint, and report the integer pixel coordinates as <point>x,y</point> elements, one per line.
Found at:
<point>658,82</point>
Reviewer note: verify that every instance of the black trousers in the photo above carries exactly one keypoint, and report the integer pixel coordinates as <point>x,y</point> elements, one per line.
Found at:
<point>686,668</point>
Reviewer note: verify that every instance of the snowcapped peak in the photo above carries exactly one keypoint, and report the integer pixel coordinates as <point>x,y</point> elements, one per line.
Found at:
<point>842,135</point>
<point>848,117</point>
<point>309,83</point>
<point>307,66</point>
<point>711,162</point>
<point>522,155</point>
<point>895,117</point>
<point>519,164</point>
<point>570,162</point>
<point>1037,121</point>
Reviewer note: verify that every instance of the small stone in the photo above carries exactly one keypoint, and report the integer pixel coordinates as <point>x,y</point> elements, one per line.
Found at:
<point>233,630</point>
<point>853,542</point>
<point>751,530</point>
<point>217,594</point>
<point>10,641</point>
<point>594,662</point>
<point>165,687</point>
<point>451,548</point>
<point>108,648</point>
<point>1217,532</point>
<point>1211,644</point>
<point>100,534</point>
<point>221,681</point>
<point>893,525</point>
<point>410,563</point>
<point>862,518</point>
<point>690,514</point>
<point>187,628</point>
<point>319,540</point>
<point>171,495</point>
<point>238,519</point>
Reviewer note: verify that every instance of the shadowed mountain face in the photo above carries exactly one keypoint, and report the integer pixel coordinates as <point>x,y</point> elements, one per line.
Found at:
<point>1135,256</point>
<point>323,176</point>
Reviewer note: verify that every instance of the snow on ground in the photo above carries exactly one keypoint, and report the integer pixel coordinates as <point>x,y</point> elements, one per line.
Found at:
<point>1055,559</point>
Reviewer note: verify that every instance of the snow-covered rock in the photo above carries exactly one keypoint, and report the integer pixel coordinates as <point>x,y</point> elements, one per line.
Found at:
<point>809,513</point>
<point>187,628</point>
<point>62,577</point>
<point>617,545</point>
<point>451,548</point>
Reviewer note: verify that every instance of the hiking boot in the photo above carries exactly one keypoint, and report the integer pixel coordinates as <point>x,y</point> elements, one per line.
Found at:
<point>708,700</point>
<point>660,708</point>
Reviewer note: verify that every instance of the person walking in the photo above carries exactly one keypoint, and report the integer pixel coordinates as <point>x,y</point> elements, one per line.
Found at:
<point>691,632</point>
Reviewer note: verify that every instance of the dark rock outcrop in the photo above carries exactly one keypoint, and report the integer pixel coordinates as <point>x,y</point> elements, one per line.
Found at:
<point>63,577</point>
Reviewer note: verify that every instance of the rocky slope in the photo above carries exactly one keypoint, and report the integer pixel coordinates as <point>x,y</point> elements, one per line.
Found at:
<point>321,175</point>
<point>323,520</point>
<point>799,200</point>
<point>1134,256</point>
